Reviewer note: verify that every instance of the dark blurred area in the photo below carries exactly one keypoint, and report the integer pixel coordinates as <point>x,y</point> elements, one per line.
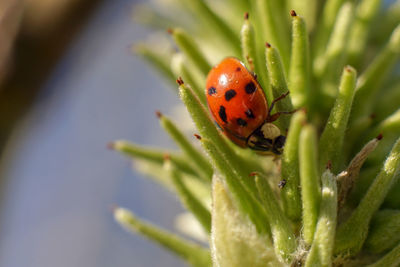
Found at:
<point>69,85</point>
<point>33,36</point>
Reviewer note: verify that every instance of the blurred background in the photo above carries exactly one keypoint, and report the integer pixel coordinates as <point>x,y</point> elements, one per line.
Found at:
<point>69,85</point>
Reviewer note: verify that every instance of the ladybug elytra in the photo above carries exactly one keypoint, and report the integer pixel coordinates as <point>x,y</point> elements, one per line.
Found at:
<point>239,107</point>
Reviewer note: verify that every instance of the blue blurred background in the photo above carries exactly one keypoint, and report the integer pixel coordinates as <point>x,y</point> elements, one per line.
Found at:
<point>61,178</point>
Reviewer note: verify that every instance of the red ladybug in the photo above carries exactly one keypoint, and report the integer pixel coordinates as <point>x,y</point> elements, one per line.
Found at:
<point>238,105</point>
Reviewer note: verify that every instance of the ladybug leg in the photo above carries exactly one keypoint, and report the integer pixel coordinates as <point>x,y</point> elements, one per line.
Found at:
<point>275,116</point>
<point>276,100</point>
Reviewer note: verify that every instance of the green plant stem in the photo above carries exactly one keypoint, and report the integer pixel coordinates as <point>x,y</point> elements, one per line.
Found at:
<point>365,14</point>
<point>290,194</point>
<point>390,125</point>
<point>194,78</point>
<point>160,61</point>
<point>278,83</point>
<point>389,19</point>
<point>216,24</point>
<point>392,259</point>
<point>371,80</point>
<point>234,239</point>
<point>271,25</point>
<point>336,42</point>
<point>299,72</point>
<point>324,28</point>
<point>249,54</point>
<point>322,247</point>
<point>190,201</point>
<point>153,155</point>
<point>308,9</point>
<point>329,66</point>
<point>355,130</point>
<point>385,231</point>
<point>247,203</point>
<point>283,236</point>
<point>353,232</point>
<point>199,161</point>
<point>191,50</point>
<point>150,17</point>
<point>190,252</point>
<point>309,181</point>
<point>247,39</point>
<point>392,199</point>
<point>388,102</point>
<point>331,141</point>
<point>240,6</point>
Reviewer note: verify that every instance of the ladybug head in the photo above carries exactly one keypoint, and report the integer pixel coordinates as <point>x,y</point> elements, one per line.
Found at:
<point>267,139</point>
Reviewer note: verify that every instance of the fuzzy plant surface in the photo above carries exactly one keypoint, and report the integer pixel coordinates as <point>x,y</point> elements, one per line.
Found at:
<point>333,197</point>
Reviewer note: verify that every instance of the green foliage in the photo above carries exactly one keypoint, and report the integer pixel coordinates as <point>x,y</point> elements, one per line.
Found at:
<point>278,84</point>
<point>192,253</point>
<point>283,236</point>
<point>385,232</point>
<point>309,181</point>
<point>322,246</point>
<point>331,140</point>
<point>307,220</point>
<point>290,194</point>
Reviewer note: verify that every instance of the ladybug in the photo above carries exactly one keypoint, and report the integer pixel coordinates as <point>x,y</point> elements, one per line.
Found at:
<point>238,104</point>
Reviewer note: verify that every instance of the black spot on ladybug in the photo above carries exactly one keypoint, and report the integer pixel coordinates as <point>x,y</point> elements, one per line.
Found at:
<point>212,91</point>
<point>230,94</point>
<point>241,122</point>
<point>238,69</point>
<point>222,114</point>
<point>249,114</point>
<point>250,88</point>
